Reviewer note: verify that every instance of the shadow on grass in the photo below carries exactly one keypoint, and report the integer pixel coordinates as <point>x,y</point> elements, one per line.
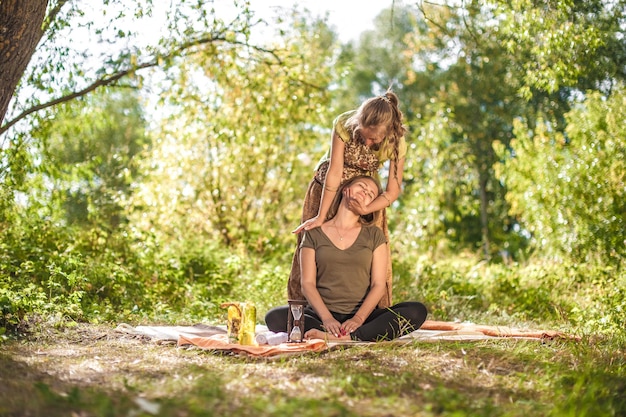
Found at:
<point>504,378</point>
<point>28,391</point>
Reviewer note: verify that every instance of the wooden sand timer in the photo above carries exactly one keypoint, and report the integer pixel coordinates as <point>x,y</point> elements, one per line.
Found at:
<point>295,321</point>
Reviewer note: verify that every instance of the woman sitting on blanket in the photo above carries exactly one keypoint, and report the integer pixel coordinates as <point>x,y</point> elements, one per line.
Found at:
<point>343,266</point>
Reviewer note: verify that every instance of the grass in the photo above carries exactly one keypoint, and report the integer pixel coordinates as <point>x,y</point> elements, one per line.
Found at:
<point>54,369</point>
<point>90,370</point>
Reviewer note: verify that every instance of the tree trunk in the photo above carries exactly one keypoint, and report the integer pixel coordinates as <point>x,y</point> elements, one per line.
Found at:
<point>20,31</point>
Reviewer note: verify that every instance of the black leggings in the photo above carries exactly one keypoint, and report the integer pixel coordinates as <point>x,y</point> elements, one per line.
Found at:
<point>382,324</point>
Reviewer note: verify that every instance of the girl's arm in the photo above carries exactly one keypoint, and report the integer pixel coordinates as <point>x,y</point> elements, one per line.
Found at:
<point>331,184</point>
<point>394,183</point>
<point>333,176</point>
<point>308,270</point>
<point>391,194</point>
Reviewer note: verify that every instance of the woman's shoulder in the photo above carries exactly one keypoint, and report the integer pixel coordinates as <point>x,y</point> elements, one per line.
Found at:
<point>374,233</point>
<point>312,235</point>
<point>315,231</point>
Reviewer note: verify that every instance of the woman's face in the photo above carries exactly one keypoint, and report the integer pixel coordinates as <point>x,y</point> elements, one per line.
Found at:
<point>373,136</point>
<point>364,189</point>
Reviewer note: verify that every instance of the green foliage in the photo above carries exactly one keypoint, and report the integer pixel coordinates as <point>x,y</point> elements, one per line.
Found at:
<point>586,297</point>
<point>459,100</point>
<point>102,277</point>
<point>47,270</point>
<point>568,191</point>
<point>233,159</point>
<point>89,151</point>
<point>565,43</point>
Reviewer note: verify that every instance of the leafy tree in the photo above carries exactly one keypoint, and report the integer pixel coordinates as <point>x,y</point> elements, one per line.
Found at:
<point>89,156</point>
<point>561,50</point>
<point>568,189</point>
<point>232,160</point>
<point>566,44</point>
<point>469,63</point>
<point>62,70</point>
<point>83,47</point>
<point>465,101</point>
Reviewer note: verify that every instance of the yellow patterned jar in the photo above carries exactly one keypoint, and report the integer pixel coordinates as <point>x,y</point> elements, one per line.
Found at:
<point>247,331</point>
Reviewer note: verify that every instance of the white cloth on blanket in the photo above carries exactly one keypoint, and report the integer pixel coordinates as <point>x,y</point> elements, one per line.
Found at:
<point>173,332</point>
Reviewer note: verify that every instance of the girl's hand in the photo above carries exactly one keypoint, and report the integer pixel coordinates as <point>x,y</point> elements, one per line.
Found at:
<point>312,223</point>
<point>332,326</point>
<point>355,203</point>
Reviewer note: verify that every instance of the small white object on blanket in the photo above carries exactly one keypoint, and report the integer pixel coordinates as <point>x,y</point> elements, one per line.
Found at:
<point>271,338</point>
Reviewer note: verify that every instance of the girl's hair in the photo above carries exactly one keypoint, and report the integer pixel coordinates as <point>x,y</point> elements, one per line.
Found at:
<point>381,110</point>
<point>365,219</point>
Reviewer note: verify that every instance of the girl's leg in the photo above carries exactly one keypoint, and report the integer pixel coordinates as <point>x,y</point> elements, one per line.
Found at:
<point>396,321</point>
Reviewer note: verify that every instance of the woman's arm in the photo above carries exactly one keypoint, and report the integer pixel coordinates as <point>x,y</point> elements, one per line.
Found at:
<point>308,271</point>
<point>331,184</point>
<point>377,290</point>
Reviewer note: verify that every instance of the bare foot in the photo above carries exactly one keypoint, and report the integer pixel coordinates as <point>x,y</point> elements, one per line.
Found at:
<point>318,334</point>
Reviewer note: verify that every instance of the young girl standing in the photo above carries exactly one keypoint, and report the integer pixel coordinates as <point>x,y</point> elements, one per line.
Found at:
<point>362,141</point>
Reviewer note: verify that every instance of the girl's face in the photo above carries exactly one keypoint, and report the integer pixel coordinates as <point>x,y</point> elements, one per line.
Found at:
<point>373,136</point>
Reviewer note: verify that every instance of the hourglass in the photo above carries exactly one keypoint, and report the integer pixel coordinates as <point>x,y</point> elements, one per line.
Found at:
<point>295,320</point>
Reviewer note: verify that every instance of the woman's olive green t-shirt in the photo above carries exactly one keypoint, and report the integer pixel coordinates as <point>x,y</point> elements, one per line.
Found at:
<point>344,276</point>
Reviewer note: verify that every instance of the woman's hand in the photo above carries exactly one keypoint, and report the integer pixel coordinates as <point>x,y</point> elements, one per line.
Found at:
<point>312,223</point>
<point>350,325</point>
<point>332,326</point>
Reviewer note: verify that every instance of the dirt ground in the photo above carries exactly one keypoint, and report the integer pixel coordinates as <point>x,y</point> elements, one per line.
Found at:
<point>88,356</point>
<point>98,359</point>
<point>87,353</point>
<point>47,370</point>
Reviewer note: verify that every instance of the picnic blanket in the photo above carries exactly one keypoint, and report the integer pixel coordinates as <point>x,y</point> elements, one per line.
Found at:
<point>494,331</point>
<point>171,333</point>
<point>214,338</point>
<point>220,343</point>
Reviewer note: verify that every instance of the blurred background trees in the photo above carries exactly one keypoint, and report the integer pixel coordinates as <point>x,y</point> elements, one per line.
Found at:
<point>161,176</point>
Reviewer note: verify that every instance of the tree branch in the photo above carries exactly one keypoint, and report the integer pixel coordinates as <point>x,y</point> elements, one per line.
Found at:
<point>469,29</point>
<point>420,7</point>
<point>51,17</point>
<point>121,74</point>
